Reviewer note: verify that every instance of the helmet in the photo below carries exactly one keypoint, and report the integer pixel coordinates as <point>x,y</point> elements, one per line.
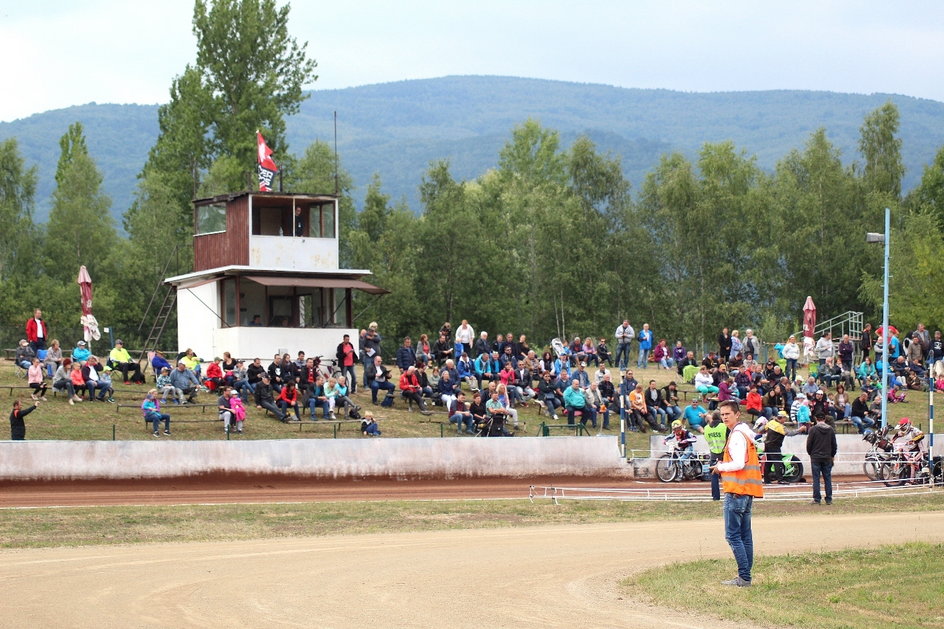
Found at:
<point>676,424</point>
<point>904,424</point>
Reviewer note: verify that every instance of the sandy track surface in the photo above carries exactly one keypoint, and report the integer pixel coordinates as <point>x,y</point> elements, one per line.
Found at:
<point>560,576</point>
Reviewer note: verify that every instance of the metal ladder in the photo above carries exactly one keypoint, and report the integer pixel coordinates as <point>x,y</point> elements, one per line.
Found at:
<point>167,295</point>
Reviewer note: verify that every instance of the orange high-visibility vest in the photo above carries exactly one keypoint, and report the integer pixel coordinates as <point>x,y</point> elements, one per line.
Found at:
<point>747,480</point>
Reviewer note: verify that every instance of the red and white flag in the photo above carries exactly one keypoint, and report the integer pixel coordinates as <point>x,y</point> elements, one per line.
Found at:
<point>267,167</point>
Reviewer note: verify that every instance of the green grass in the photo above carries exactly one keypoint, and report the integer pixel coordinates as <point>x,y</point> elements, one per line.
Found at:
<point>893,587</point>
<point>57,420</point>
<point>83,526</point>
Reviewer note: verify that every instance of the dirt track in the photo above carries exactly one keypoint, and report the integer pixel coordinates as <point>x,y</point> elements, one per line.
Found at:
<point>562,576</point>
<point>255,489</point>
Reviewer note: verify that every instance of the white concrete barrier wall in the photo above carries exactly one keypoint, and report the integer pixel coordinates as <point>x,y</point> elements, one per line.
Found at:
<point>325,458</point>
<point>850,455</point>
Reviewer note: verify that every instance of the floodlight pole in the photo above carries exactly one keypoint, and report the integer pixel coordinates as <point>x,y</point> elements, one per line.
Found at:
<point>885,340</point>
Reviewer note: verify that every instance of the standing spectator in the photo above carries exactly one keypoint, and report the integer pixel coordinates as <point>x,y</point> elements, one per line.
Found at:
<point>624,338</point>
<point>17,425</point>
<point>53,357</point>
<point>824,348</point>
<point>865,342</point>
<point>482,346</point>
<point>724,344</point>
<point>936,350</point>
<point>347,356</point>
<point>35,377</point>
<point>36,331</point>
<point>751,344</point>
<point>791,353</point>
<point>736,346</point>
<point>645,346</point>
<point>366,361</point>
<point>464,337</point>
<point>741,482</point>
<point>821,446</point>
<point>846,350</point>
<point>151,409</point>
<point>372,341</point>
<point>406,355</point>
<point>716,434</point>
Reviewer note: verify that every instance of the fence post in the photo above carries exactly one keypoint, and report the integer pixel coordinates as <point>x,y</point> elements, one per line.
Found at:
<point>114,429</point>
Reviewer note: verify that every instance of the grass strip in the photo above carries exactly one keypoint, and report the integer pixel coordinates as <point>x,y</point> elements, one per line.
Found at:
<point>893,587</point>
<point>83,526</point>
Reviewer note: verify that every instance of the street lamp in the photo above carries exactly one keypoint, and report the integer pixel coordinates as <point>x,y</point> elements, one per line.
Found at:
<point>885,238</point>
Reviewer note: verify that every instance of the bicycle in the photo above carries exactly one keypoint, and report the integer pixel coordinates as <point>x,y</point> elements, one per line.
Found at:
<point>878,453</point>
<point>910,468</point>
<point>673,465</point>
<point>792,466</point>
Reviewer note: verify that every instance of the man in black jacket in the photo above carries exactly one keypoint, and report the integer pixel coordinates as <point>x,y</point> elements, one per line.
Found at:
<point>821,446</point>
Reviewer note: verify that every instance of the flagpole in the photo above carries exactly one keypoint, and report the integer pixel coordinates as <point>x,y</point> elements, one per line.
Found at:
<point>885,334</point>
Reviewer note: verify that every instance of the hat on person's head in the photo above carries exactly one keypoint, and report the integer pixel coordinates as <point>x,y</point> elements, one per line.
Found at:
<point>23,342</point>
<point>119,342</point>
<point>107,368</point>
<point>81,344</point>
<point>583,364</point>
<point>783,414</point>
<point>373,325</point>
<point>801,396</point>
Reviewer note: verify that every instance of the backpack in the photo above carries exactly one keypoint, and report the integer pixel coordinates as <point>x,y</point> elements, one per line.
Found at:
<point>387,401</point>
<point>354,412</point>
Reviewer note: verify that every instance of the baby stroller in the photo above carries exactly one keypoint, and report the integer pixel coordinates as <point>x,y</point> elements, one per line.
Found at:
<point>494,426</point>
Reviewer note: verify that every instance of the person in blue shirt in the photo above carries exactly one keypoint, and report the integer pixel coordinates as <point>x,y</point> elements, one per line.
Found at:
<point>81,353</point>
<point>695,414</point>
<point>645,346</point>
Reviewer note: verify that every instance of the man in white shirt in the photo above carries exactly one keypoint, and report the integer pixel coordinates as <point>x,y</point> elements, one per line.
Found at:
<point>624,336</point>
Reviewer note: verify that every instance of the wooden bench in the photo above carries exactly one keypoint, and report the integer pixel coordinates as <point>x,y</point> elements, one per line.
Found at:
<point>336,423</point>
<point>11,387</point>
<point>177,408</point>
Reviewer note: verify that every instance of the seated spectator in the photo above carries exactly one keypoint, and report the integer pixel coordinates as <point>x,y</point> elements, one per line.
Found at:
<point>411,390</point>
<point>497,416</point>
<point>460,415</point>
<point>254,373</point>
<point>264,398</point>
<point>448,389</point>
<point>550,395</point>
<point>810,388</point>
<point>165,387</point>
<point>53,357</point>
<point>238,378</point>
<point>639,411</point>
<point>24,355</point>
<point>504,398</point>
<point>574,401</point>
<point>342,400</point>
<point>696,415</point>
<point>76,378</point>
<point>754,404</point>
<point>590,351</point>
<point>598,405</point>
<point>331,392</point>
<point>369,426</point>
<point>546,364</point>
<point>158,362</point>
<point>319,399</point>
<point>90,373</point>
<point>670,401</point>
<point>507,356</point>
<point>378,378</point>
<point>830,373</point>
<point>36,378</point>
<point>655,403</point>
<point>151,409</point>
<point>662,355</point>
<point>288,399</point>
<point>192,362</point>
<point>185,380</point>
<point>214,374</point>
<point>120,359</point>
<point>466,372</point>
<point>704,382</point>
<point>80,353</point>
<point>442,349</point>
<point>61,381</point>
<point>603,353</point>
<point>486,368</point>
<point>227,413</point>
<point>105,385</point>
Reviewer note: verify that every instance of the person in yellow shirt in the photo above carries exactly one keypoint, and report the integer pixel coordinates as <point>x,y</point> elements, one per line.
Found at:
<point>119,359</point>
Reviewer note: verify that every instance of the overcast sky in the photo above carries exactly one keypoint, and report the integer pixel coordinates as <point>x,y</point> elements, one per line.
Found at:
<point>70,52</point>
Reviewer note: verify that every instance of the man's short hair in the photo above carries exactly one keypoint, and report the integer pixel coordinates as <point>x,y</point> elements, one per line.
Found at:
<point>734,406</point>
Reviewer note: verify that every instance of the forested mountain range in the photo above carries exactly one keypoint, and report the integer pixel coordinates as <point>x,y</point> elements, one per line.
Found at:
<point>397,129</point>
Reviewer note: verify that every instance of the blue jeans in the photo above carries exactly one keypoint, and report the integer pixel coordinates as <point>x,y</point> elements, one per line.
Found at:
<point>375,385</point>
<point>737,531</point>
<point>313,403</point>
<point>460,419</point>
<point>715,478</point>
<point>824,467</point>
<point>861,423</point>
<point>791,372</point>
<point>156,418</point>
<point>622,355</point>
<point>643,358</point>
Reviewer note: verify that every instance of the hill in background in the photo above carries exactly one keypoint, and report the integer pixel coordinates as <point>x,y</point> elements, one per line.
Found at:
<point>397,129</point>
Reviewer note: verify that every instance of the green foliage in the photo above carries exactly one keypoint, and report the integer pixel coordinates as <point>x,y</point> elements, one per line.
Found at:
<point>253,72</point>
<point>916,269</point>
<point>930,193</point>
<point>881,148</point>
<point>80,229</point>
<point>17,199</point>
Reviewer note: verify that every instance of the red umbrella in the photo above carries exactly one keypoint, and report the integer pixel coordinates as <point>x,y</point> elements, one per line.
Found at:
<point>88,319</point>
<point>809,317</point>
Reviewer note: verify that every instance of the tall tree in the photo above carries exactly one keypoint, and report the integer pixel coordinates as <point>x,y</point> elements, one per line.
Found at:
<point>881,148</point>
<point>17,199</point>
<point>930,192</point>
<point>80,229</point>
<point>254,72</point>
